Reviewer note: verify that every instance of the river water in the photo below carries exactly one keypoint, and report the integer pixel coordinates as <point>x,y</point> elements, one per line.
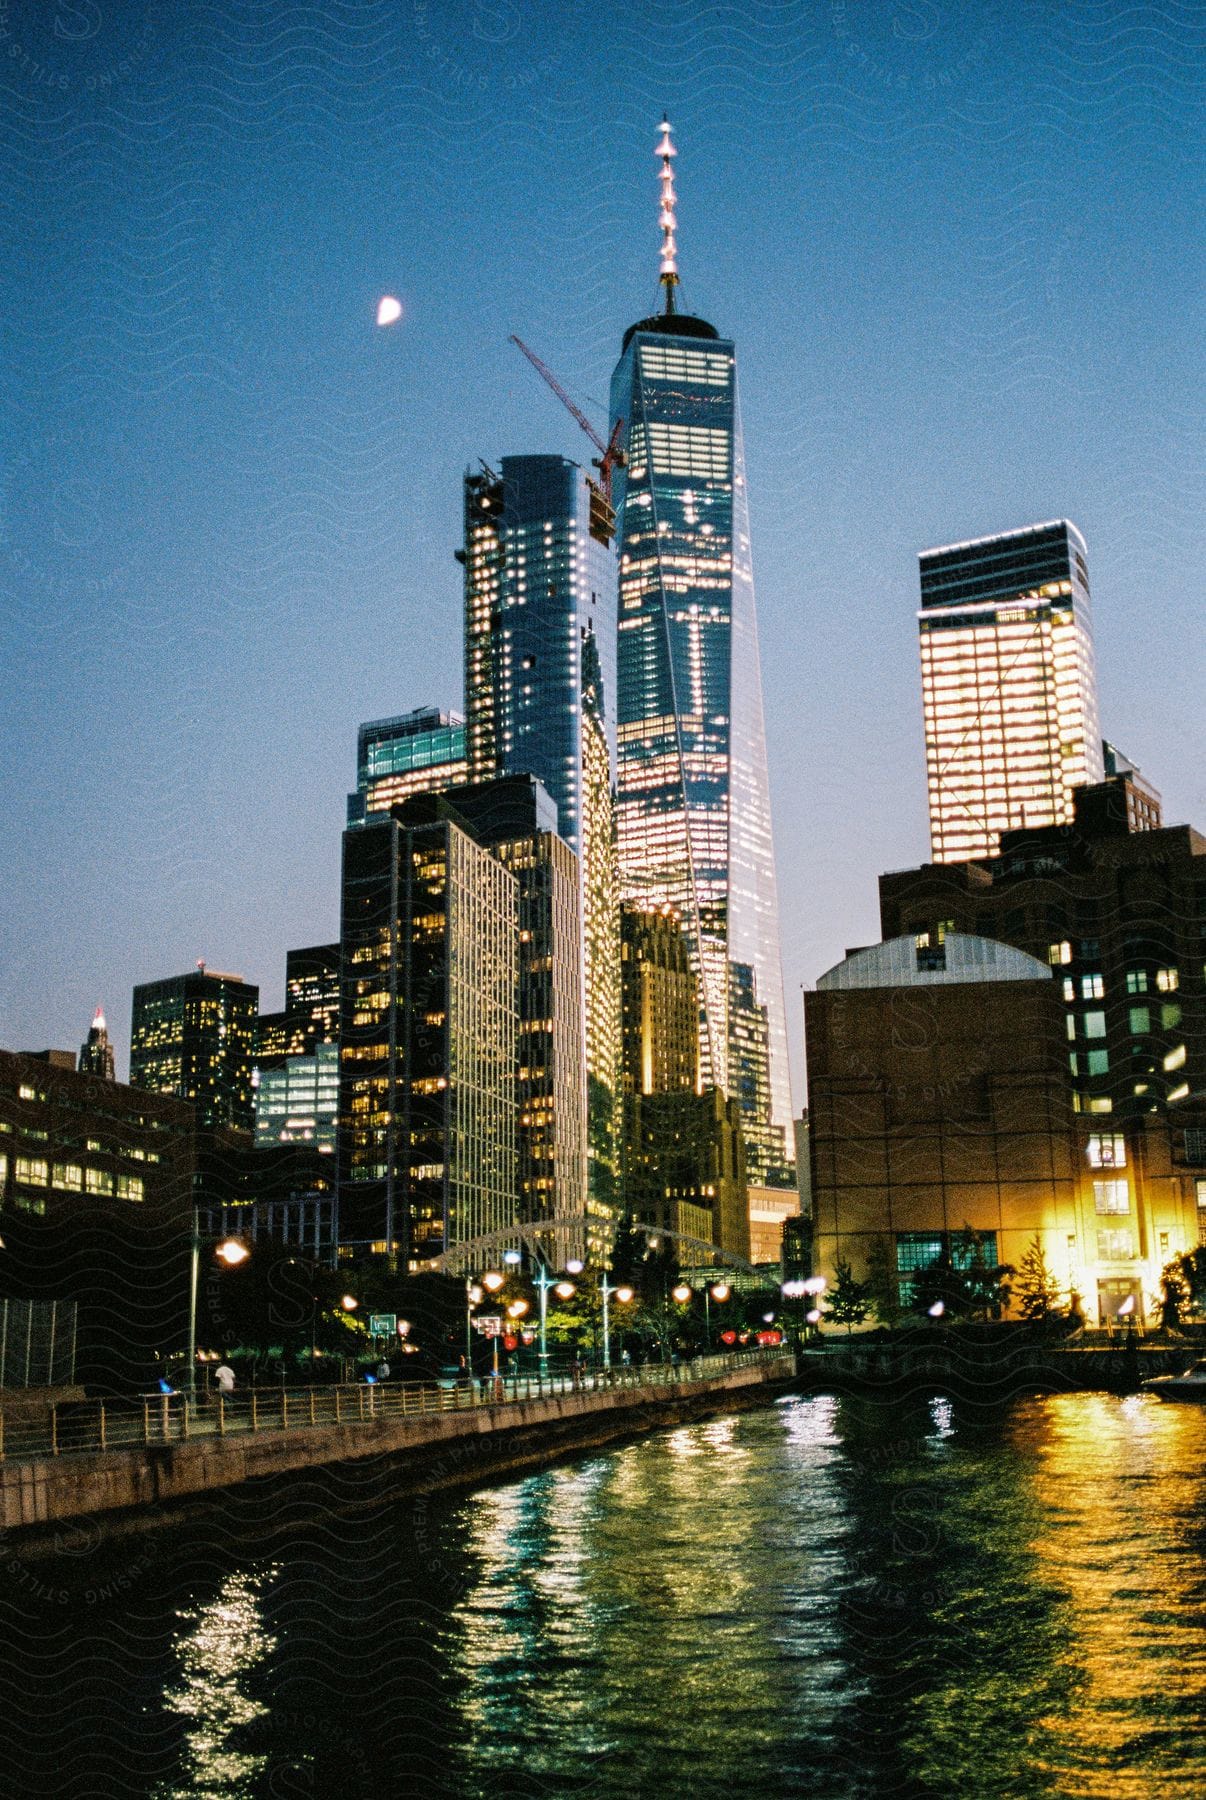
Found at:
<point>824,1597</point>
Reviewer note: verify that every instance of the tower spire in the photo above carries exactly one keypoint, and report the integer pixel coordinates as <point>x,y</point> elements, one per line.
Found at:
<point>666,217</point>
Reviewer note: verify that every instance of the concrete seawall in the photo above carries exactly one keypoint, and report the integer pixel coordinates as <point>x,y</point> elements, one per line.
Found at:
<point>431,1451</point>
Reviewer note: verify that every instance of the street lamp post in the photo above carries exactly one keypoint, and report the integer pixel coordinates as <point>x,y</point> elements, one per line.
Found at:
<point>194,1272</point>
<point>492,1281</point>
<point>543,1280</point>
<point>473,1295</point>
<point>623,1294</point>
<point>232,1251</point>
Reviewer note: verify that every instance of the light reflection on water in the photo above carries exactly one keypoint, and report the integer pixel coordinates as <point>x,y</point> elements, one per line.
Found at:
<point>221,1643</point>
<point>826,1597</point>
<point>1124,1480</point>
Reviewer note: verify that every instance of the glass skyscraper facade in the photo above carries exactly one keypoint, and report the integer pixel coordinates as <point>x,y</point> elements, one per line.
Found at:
<point>418,752</point>
<point>693,804</point>
<point>1008,684</point>
<point>540,612</point>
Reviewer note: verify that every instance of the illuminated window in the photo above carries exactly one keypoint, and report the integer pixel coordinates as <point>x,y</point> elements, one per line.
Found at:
<point>1107,1152</point>
<point>1114,1246</point>
<point>1141,1020</point>
<point>1112,1196</point>
<point>1092,987</point>
<point>69,1176</point>
<point>1095,1025</point>
<point>1059,953</point>
<point>31,1170</point>
<point>1167,980</point>
<point>1099,1062</point>
<point>1136,981</point>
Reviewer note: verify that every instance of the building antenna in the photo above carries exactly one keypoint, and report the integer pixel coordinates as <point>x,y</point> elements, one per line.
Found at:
<point>668,275</point>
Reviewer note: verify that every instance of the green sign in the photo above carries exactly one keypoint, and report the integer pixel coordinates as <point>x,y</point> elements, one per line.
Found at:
<point>382,1324</point>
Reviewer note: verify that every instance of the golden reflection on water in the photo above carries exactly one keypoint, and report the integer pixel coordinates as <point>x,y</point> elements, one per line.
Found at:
<point>223,1641</point>
<point>1006,1605</point>
<point>1122,1484</point>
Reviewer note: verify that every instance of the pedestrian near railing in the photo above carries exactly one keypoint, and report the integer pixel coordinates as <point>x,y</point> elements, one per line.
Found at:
<point>169,1417</point>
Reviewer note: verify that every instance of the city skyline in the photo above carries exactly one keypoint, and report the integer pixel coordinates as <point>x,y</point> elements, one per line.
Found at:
<point>208,827</point>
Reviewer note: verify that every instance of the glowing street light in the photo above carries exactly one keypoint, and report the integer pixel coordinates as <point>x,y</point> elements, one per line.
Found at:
<point>574,1265</point>
<point>517,1309</point>
<point>349,1303</point>
<point>719,1291</point>
<point>682,1293</point>
<point>565,1290</point>
<point>493,1280</point>
<point>624,1294</point>
<point>231,1251</point>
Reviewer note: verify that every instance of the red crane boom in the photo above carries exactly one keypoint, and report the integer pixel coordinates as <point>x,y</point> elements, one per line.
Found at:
<point>610,457</point>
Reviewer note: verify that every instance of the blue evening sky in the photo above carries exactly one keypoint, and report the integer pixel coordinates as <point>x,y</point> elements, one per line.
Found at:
<point>958,246</point>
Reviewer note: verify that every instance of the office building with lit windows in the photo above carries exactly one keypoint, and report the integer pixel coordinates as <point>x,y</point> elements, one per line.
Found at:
<point>1117,911</point>
<point>540,599</point>
<point>194,1036</point>
<point>429,1037</point>
<point>418,752</point>
<point>660,1003</point>
<point>311,1014</point>
<point>684,1157</point>
<point>693,804</point>
<point>1009,685</point>
<point>515,819</point>
<point>297,1102</point>
<point>685,1171</point>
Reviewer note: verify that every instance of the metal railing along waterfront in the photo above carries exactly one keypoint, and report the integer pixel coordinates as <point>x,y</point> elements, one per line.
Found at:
<point>89,1426</point>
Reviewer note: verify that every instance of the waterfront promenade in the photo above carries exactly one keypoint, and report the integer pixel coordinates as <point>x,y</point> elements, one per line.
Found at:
<point>90,1457</point>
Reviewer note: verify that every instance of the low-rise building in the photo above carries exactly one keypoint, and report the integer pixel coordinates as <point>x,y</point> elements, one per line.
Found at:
<point>943,1119</point>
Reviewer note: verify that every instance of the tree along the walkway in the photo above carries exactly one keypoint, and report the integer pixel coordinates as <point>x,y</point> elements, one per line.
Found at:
<point>847,1302</point>
<point>1037,1290</point>
<point>1174,1295</point>
<point>1191,1272</point>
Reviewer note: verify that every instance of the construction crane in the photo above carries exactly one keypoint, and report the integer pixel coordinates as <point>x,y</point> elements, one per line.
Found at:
<point>611,456</point>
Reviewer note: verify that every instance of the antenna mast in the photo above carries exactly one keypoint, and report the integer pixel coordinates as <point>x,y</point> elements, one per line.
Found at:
<point>666,218</point>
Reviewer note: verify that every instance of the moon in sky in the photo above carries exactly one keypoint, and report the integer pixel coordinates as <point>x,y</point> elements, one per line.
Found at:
<point>389,310</point>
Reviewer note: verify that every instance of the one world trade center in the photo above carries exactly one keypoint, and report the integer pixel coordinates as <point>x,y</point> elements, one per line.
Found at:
<point>693,814</point>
